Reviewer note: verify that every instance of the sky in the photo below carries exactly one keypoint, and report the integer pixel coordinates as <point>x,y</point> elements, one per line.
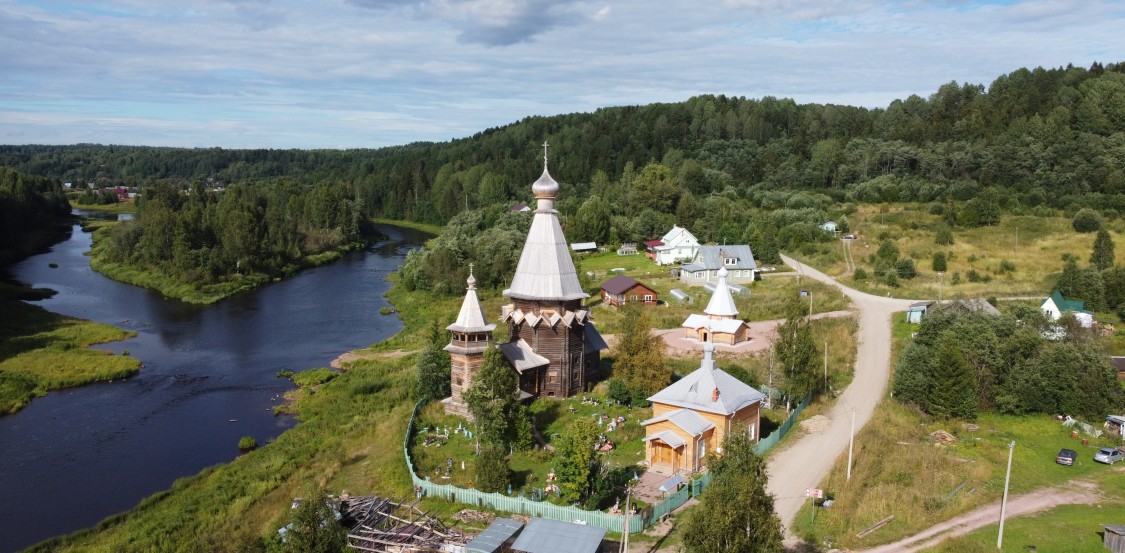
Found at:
<point>373,73</point>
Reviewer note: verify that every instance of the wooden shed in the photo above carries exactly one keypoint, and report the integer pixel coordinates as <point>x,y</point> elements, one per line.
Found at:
<point>1114,537</point>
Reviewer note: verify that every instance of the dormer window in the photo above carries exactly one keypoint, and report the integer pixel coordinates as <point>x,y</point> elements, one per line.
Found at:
<point>730,261</point>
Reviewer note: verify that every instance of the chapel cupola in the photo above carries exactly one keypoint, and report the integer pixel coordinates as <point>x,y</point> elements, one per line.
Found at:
<point>471,336</point>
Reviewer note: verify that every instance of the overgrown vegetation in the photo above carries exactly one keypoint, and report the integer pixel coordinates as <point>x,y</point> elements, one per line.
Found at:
<point>41,351</point>
<point>963,364</point>
<point>31,208</point>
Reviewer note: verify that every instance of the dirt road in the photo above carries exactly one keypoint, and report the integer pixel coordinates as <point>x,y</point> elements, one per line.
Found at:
<point>804,462</point>
<point>1039,500</point>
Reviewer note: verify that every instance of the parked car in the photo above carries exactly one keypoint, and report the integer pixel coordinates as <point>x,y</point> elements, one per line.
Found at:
<point>1109,456</point>
<point>849,237</point>
<point>1066,457</point>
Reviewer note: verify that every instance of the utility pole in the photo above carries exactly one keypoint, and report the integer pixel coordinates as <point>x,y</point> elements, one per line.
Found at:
<point>1004,503</point>
<point>826,366</point>
<point>851,442</point>
<point>625,534</point>
<point>810,303</point>
<point>940,280</point>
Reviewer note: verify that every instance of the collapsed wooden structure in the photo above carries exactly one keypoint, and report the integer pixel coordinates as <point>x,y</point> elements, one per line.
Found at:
<point>385,526</point>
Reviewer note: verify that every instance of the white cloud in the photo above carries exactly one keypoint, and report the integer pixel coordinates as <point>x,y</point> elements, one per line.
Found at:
<point>284,73</point>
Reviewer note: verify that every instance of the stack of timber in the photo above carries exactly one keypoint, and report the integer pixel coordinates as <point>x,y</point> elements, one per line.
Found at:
<point>385,526</point>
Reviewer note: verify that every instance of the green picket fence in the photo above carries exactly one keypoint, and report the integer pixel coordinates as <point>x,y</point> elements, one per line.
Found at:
<point>613,523</point>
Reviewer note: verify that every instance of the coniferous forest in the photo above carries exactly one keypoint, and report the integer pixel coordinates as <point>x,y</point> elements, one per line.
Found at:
<point>764,171</point>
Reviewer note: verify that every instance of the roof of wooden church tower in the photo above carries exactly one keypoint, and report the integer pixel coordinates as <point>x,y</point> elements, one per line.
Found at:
<point>545,270</point>
<point>471,318</point>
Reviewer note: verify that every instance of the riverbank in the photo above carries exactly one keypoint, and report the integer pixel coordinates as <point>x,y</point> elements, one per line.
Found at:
<point>42,351</point>
<point>191,292</point>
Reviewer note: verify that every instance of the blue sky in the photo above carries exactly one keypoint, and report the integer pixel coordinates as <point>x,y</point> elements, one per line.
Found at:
<point>370,73</point>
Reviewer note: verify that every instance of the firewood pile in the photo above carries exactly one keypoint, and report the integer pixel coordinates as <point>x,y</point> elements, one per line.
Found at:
<point>385,526</point>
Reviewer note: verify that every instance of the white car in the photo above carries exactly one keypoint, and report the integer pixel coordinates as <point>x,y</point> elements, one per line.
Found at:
<point>1109,456</point>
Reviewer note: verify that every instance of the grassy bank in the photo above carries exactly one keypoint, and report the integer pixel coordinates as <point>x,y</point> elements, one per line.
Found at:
<point>127,206</point>
<point>41,351</point>
<point>430,229</point>
<point>192,292</point>
<point>350,438</point>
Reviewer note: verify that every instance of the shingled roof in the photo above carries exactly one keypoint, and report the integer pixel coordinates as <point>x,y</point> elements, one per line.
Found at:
<point>545,270</point>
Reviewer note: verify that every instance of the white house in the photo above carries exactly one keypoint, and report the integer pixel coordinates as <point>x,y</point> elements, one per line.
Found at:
<point>704,267</point>
<point>1055,305</point>
<point>677,245</point>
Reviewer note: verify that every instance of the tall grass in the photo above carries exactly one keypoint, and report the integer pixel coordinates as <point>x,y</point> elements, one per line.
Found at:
<point>41,351</point>
<point>1033,244</point>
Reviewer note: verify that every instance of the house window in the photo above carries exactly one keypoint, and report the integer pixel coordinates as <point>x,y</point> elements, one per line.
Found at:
<point>553,377</point>
<point>648,298</point>
<point>752,431</point>
<point>730,261</point>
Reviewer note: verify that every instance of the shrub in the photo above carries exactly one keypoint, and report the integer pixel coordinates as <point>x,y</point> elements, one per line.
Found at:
<point>905,268</point>
<point>1007,266</point>
<point>860,274</point>
<point>892,280</point>
<point>944,236</point>
<point>939,264</point>
<point>618,391</point>
<point>956,279</point>
<point>246,443</point>
<point>1087,220</point>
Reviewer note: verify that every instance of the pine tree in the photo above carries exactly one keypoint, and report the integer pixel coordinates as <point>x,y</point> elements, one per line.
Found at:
<point>735,513</point>
<point>433,367</point>
<point>492,472</point>
<point>953,389</point>
<point>1102,257</point>
<point>1070,281</point>
<point>494,404</point>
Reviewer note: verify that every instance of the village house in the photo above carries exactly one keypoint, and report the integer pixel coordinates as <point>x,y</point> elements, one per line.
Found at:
<point>1055,305</point>
<point>695,414</point>
<point>675,246</point>
<point>621,290</point>
<point>720,322</point>
<point>704,267</point>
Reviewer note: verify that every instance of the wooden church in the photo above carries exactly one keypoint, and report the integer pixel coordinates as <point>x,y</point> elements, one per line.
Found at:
<point>552,342</point>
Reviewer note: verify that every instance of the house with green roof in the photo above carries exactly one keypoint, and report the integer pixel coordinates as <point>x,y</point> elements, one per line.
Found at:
<point>1055,305</point>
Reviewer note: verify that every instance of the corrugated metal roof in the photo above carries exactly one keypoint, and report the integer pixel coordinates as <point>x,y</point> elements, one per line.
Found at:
<point>521,356</point>
<point>552,536</point>
<point>493,537</point>
<point>619,284</point>
<point>721,304</point>
<point>711,258</point>
<point>689,421</point>
<point>471,318</point>
<point>580,246</point>
<point>695,390</point>
<point>680,294</point>
<point>667,437</point>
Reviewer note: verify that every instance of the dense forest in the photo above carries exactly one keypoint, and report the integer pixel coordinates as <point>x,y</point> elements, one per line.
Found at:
<point>30,211</point>
<point>204,236</point>
<point>765,171</point>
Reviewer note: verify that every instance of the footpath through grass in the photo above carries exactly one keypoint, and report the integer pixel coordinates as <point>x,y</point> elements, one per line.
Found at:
<point>41,351</point>
<point>1070,528</point>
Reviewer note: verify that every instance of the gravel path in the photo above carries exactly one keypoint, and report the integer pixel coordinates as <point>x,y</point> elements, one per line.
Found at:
<point>804,462</point>
<point>1033,502</point>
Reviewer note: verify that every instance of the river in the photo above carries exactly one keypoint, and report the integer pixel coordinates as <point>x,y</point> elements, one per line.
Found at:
<point>78,455</point>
